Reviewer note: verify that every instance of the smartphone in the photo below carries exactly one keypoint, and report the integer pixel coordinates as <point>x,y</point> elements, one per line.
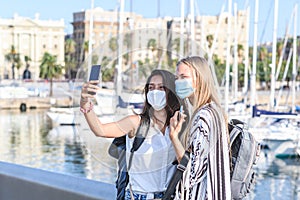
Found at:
<point>180,112</point>
<point>94,75</point>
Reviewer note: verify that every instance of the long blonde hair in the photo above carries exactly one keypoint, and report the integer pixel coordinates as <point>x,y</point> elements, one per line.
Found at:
<point>206,90</point>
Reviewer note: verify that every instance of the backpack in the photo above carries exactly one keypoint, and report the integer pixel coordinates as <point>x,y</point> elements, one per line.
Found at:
<point>244,154</point>
<point>117,150</point>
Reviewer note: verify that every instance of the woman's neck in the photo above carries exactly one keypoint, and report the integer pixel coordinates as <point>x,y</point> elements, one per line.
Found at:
<point>159,119</point>
<point>191,99</point>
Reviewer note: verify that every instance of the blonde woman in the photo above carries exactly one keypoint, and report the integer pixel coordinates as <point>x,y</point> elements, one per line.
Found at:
<point>207,175</point>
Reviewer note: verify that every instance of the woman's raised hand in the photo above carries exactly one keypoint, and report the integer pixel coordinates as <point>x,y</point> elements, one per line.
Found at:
<point>88,90</point>
<point>175,124</point>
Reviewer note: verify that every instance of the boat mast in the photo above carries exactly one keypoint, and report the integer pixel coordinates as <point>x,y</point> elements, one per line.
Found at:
<point>228,57</point>
<point>294,72</point>
<point>235,57</point>
<point>286,38</point>
<point>120,46</point>
<point>254,58</point>
<point>246,53</point>
<point>273,65</point>
<point>215,37</point>
<point>91,36</point>
<point>181,29</point>
<point>192,6</point>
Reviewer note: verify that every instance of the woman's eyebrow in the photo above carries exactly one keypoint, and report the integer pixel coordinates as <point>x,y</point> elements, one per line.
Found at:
<point>156,83</point>
<point>181,75</point>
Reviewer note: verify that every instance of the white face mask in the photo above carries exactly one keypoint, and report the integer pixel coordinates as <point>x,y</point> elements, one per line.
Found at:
<point>157,99</point>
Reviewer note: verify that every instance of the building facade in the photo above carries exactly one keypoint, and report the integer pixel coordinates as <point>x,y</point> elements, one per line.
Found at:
<point>32,38</point>
<point>139,31</point>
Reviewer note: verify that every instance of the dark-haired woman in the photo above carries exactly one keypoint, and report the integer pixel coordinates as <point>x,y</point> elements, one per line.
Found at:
<point>151,167</point>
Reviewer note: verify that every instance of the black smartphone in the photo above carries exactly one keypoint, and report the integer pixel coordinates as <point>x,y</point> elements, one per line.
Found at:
<point>94,75</point>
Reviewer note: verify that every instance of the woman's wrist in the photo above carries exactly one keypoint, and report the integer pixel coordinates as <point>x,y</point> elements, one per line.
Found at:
<point>86,109</point>
<point>84,100</point>
<point>174,136</point>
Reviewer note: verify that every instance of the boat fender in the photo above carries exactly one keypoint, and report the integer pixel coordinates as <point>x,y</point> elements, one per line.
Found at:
<point>23,107</point>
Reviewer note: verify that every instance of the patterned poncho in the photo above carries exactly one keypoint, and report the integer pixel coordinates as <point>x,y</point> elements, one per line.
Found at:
<point>207,175</point>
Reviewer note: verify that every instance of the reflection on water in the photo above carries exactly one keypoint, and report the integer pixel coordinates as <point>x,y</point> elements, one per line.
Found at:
<point>30,139</point>
<point>276,178</point>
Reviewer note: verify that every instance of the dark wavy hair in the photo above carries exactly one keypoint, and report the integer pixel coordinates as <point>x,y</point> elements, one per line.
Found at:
<point>173,101</point>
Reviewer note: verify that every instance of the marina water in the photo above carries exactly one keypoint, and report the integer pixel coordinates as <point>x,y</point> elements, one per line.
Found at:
<point>30,139</point>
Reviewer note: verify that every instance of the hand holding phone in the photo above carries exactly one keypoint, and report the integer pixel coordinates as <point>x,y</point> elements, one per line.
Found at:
<point>94,75</point>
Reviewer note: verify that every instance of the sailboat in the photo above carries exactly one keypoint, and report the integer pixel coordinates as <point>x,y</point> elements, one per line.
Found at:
<point>291,114</point>
<point>277,131</point>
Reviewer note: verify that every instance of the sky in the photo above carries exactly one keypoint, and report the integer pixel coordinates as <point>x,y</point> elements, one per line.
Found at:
<point>64,9</point>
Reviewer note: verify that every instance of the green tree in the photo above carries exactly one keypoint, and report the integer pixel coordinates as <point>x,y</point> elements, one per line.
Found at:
<point>50,69</point>
<point>263,63</point>
<point>26,73</point>
<point>107,70</point>
<point>84,51</point>
<point>152,45</point>
<point>210,39</point>
<point>27,60</point>
<point>15,60</point>
<point>70,62</point>
<point>176,45</point>
<point>113,44</point>
<point>219,68</point>
<point>128,43</point>
<point>240,50</point>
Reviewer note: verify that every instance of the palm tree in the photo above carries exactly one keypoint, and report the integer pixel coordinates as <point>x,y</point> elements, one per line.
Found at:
<point>210,39</point>
<point>262,65</point>
<point>176,45</point>
<point>152,45</point>
<point>84,50</point>
<point>113,44</point>
<point>26,73</point>
<point>15,60</point>
<point>27,60</point>
<point>240,49</point>
<point>107,71</point>
<point>49,69</point>
<point>70,48</point>
<point>128,43</point>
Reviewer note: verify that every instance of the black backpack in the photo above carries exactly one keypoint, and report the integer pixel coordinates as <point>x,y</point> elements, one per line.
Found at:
<point>117,149</point>
<point>244,154</point>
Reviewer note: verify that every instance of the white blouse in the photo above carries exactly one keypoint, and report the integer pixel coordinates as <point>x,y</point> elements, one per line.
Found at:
<point>151,169</point>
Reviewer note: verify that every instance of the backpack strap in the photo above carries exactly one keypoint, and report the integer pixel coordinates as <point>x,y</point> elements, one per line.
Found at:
<point>236,126</point>
<point>141,134</point>
<point>177,176</point>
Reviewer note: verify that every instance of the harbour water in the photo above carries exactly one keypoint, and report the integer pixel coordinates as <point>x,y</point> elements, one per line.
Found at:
<point>31,139</point>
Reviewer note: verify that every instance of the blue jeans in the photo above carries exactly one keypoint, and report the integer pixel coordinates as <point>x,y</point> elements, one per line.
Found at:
<point>137,196</point>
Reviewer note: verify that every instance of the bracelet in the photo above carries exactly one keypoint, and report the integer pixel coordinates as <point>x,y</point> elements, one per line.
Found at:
<point>84,111</point>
